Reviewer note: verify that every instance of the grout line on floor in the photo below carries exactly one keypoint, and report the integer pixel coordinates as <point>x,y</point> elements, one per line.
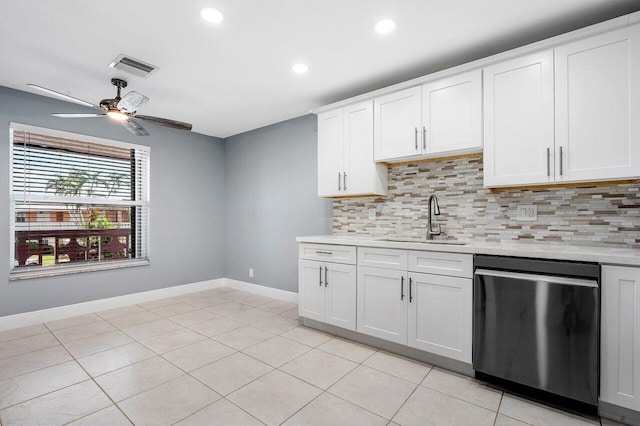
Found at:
<point>498,410</point>
<point>94,381</point>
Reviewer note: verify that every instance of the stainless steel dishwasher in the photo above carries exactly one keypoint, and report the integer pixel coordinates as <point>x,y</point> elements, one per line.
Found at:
<point>537,323</point>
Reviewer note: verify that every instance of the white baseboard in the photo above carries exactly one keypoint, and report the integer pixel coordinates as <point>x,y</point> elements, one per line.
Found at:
<point>60,312</point>
<point>284,295</point>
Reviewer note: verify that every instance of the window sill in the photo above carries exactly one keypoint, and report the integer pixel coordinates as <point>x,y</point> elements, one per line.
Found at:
<point>66,270</point>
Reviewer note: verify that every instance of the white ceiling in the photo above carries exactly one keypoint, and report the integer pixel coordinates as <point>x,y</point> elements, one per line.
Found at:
<point>235,76</point>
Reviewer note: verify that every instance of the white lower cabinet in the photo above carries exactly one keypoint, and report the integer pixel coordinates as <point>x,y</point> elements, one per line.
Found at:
<point>429,312</point>
<point>382,303</point>
<point>620,337</point>
<point>391,297</point>
<point>440,315</point>
<point>327,292</point>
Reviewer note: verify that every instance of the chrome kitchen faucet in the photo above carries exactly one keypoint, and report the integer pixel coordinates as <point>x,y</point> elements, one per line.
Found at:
<point>433,200</point>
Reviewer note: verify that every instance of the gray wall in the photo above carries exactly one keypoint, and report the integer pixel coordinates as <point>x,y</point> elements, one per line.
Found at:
<point>271,198</point>
<point>187,210</point>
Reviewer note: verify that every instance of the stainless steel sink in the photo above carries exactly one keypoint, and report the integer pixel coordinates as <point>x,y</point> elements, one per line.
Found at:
<point>444,242</point>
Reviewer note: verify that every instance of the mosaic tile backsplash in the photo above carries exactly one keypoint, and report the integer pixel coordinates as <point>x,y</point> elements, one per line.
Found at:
<point>600,215</point>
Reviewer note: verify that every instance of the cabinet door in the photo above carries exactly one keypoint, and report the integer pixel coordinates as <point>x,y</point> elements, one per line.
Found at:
<point>452,113</point>
<point>620,337</point>
<point>311,289</point>
<point>598,107</point>
<point>397,124</point>
<point>362,174</point>
<point>440,311</point>
<point>382,303</point>
<point>518,121</point>
<point>330,155</point>
<point>340,295</point>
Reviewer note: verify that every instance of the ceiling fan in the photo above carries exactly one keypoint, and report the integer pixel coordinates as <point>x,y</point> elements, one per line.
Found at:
<point>122,109</point>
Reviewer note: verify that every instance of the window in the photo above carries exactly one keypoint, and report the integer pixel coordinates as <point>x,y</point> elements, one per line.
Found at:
<point>89,198</point>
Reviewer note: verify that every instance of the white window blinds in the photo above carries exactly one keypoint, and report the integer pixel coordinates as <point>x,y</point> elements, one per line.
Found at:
<point>77,199</point>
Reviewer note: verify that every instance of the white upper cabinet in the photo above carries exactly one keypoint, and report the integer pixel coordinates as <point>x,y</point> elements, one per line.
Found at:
<point>345,153</point>
<point>565,115</point>
<point>440,117</point>
<point>452,114</point>
<point>518,121</point>
<point>330,158</point>
<point>397,125</point>
<point>598,107</point>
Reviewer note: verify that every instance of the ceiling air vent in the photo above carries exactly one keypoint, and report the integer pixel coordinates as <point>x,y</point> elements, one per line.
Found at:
<point>132,66</point>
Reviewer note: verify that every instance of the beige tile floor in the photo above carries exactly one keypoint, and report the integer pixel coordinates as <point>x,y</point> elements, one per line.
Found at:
<point>226,357</point>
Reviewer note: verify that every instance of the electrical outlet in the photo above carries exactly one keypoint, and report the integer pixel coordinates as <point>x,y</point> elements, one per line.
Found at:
<point>250,272</point>
<point>372,214</point>
<point>527,213</point>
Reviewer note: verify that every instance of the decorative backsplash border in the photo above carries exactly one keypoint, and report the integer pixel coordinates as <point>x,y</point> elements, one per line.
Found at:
<point>601,215</point>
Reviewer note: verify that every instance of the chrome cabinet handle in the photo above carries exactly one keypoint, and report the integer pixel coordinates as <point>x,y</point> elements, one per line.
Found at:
<point>560,160</point>
<point>410,292</point>
<point>339,181</point>
<point>416,139</point>
<point>344,181</point>
<point>549,162</point>
<point>401,288</point>
<point>326,276</point>
<point>324,252</point>
<point>320,276</point>
<point>424,137</point>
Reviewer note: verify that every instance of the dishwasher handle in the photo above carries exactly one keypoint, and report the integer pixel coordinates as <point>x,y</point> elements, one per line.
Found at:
<point>552,279</point>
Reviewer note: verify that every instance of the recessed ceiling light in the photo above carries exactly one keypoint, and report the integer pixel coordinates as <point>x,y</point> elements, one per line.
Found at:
<point>212,15</point>
<point>299,68</point>
<point>385,26</point>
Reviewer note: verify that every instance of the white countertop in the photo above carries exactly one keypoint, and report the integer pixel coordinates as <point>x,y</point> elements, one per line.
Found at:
<point>540,250</point>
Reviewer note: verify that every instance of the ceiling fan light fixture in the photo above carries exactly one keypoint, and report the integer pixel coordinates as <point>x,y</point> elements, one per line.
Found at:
<point>211,15</point>
<point>385,26</point>
<point>117,115</point>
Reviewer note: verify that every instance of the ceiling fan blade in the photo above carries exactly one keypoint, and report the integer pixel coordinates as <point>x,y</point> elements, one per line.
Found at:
<point>134,127</point>
<point>132,101</point>
<point>165,122</point>
<point>63,96</point>
<point>72,115</point>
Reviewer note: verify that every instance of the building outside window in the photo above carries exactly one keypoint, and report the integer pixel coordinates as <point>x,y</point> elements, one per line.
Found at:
<point>78,201</point>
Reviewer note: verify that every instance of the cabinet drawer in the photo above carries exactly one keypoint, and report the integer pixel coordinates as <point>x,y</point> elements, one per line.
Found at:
<point>439,263</point>
<point>328,253</point>
<point>382,258</point>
